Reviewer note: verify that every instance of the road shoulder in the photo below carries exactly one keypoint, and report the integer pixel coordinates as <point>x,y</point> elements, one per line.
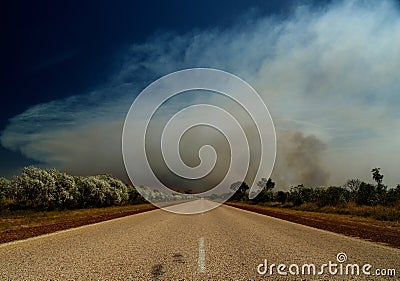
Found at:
<point>375,231</point>
<point>24,232</point>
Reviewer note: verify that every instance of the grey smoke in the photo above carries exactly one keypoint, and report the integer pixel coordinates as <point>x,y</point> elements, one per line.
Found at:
<point>328,75</point>
<point>299,160</point>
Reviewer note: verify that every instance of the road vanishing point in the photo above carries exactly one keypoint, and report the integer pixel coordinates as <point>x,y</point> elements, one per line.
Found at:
<point>225,243</point>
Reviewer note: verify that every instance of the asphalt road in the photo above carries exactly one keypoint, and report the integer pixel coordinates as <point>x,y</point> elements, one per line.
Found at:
<point>222,244</point>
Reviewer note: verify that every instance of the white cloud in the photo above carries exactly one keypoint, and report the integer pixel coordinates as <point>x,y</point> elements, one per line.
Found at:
<point>331,72</point>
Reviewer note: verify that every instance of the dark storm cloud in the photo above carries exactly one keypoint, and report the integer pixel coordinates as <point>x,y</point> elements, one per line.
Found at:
<point>329,76</point>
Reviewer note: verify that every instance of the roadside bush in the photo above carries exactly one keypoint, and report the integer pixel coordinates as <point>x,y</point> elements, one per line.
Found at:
<point>264,196</point>
<point>366,195</point>
<point>4,188</point>
<point>35,188</point>
<point>67,193</point>
<point>101,191</point>
<point>92,191</point>
<point>116,190</point>
<point>281,196</point>
<point>393,196</point>
<point>41,189</point>
<point>301,194</point>
<point>5,193</point>
<point>333,196</point>
<point>133,195</point>
<point>241,191</point>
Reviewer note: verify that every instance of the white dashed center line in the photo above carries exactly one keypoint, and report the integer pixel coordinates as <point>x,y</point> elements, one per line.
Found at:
<point>202,256</point>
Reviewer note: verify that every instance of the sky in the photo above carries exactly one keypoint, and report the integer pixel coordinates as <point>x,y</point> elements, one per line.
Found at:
<point>327,70</point>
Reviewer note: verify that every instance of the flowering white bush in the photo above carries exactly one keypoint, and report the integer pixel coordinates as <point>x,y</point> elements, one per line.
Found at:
<point>5,189</point>
<point>91,191</point>
<point>133,195</point>
<point>117,191</point>
<point>48,189</point>
<point>67,193</point>
<point>35,188</point>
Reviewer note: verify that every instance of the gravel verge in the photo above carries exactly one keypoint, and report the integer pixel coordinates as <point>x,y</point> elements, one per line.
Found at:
<point>387,235</point>
<point>31,231</point>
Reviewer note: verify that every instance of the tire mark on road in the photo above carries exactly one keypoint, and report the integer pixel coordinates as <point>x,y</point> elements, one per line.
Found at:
<point>157,271</point>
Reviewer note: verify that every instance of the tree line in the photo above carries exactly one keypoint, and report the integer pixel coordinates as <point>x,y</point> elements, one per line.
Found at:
<point>354,190</point>
<point>48,189</point>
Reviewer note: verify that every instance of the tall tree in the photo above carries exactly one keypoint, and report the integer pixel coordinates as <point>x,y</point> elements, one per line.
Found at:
<point>265,184</point>
<point>377,176</point>
<point>241,189</point>
<point>380,188</point>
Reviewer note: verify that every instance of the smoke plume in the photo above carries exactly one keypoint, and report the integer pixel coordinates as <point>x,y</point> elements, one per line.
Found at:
<point>329,76</point>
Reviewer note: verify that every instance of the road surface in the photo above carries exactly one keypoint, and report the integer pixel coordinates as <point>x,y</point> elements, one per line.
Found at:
<point>222,244</point>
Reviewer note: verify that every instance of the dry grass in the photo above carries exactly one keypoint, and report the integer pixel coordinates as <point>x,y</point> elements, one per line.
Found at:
<point>368,228</point>
<point>10,220</point>
<point>382,213</point>
<point>366,215</point>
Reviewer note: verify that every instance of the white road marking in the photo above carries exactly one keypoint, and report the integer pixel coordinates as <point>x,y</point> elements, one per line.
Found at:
<point>202,256</point>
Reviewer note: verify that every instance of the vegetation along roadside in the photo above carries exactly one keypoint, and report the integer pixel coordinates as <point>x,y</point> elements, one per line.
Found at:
<point>359,209</point>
